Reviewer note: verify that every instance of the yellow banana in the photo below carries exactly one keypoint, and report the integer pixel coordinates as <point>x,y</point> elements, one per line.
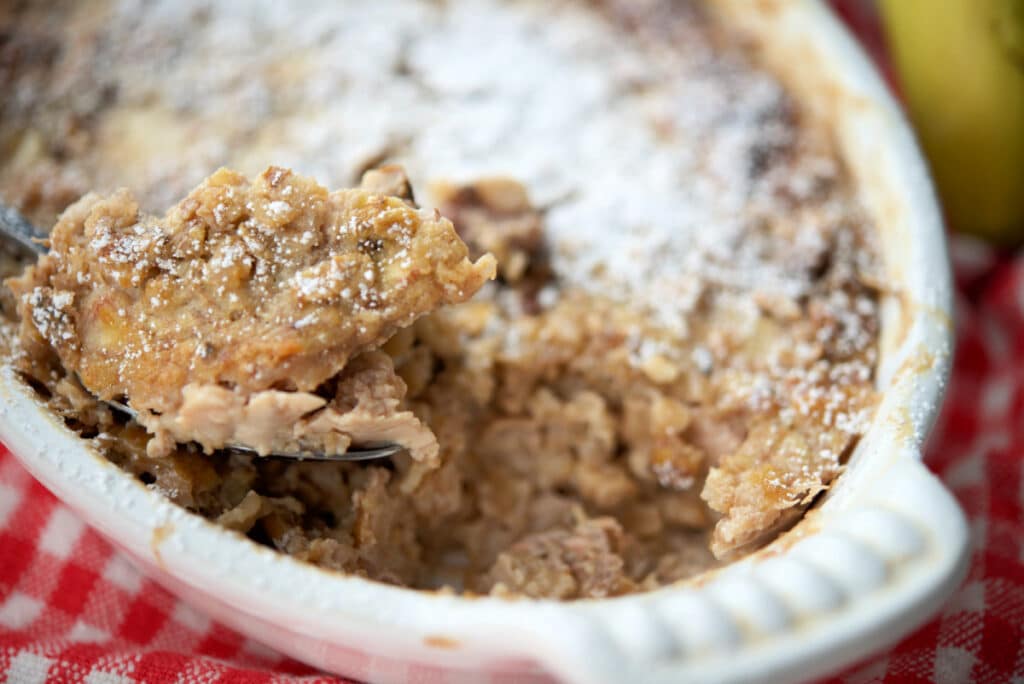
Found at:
<point>961,68</point>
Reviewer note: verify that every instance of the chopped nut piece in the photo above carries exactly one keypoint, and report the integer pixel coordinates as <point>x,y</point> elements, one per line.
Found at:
<point>495,216</point>
<point>388,180</point>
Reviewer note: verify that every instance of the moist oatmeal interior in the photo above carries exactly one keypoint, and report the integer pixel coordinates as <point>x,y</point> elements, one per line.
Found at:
<point>676,358</point>
<point>219,321</point>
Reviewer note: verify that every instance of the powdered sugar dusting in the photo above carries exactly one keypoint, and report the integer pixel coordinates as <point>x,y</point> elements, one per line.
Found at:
<point>669,171</point>
<point>677,159</point>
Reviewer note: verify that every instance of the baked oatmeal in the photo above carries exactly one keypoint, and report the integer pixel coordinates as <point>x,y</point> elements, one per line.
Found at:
<point>677,356</point>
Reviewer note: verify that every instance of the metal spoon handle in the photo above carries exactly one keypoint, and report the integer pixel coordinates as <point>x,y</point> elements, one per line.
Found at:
<point>19,232</point>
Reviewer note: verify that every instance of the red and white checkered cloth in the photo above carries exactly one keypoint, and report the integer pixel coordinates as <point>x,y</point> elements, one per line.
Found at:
<point>73,610</point>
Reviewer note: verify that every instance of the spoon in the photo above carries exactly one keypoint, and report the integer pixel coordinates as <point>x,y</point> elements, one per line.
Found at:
<point>24,239</point>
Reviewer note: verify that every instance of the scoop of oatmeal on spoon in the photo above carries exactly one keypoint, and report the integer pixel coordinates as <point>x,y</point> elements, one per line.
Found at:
<point>250,313</point>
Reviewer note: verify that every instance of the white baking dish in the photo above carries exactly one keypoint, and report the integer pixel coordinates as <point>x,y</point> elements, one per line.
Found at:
<point>865,567</point>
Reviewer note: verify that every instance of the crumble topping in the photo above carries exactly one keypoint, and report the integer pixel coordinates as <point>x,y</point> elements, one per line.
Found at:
<point>677,356</point>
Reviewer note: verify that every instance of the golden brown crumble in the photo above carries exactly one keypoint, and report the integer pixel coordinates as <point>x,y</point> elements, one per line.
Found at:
<point>677,355</point>
<point>219,320</point>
